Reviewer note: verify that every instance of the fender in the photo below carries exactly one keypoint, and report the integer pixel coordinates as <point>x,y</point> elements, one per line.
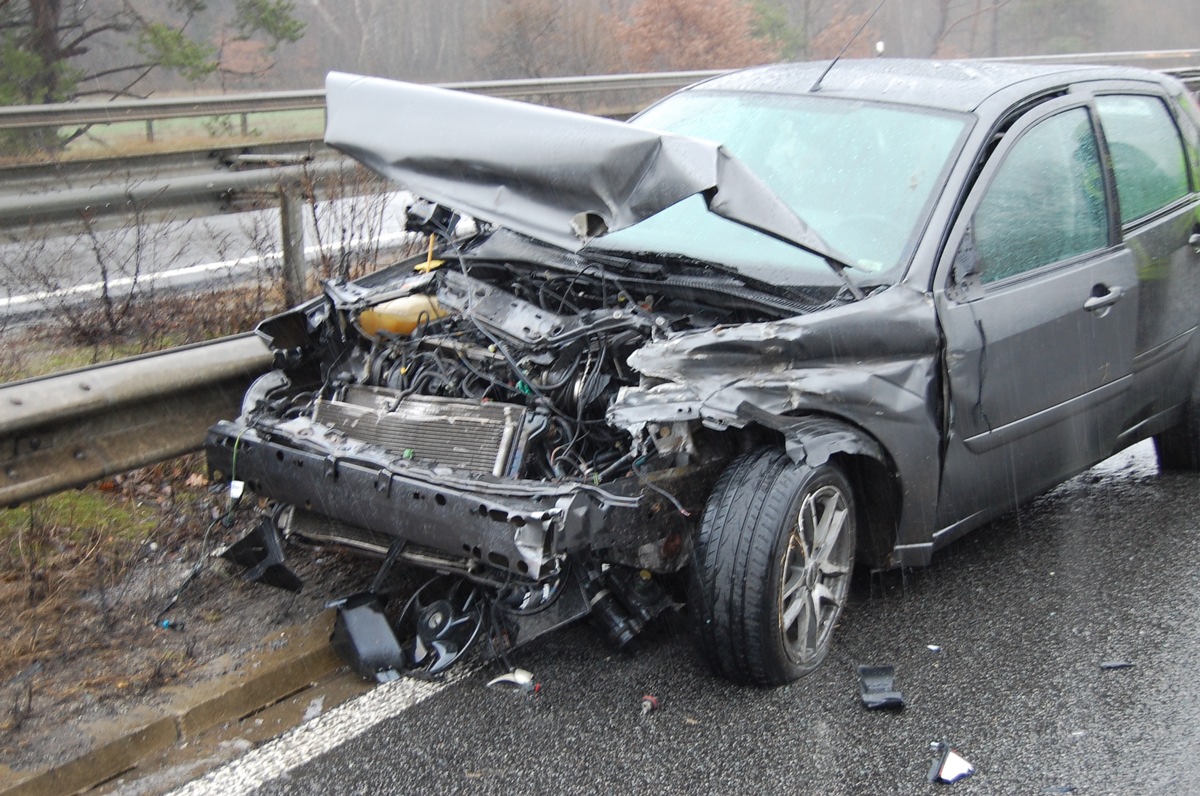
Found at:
<point>812,439</point>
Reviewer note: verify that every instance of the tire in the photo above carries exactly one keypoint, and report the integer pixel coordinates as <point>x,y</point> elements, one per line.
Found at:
<point>753,599</point>
<point>1178,448</point>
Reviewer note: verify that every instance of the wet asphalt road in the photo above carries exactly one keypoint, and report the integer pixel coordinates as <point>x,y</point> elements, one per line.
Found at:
<point>1025,611</point>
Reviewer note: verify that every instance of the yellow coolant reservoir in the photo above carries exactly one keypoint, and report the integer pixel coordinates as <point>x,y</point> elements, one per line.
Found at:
<point>400,316</point>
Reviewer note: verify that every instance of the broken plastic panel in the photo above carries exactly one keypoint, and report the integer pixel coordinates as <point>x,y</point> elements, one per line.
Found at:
<point>261,553</point>
<point>949,766</point>
<point>364,639</point>
<point>878,687</point>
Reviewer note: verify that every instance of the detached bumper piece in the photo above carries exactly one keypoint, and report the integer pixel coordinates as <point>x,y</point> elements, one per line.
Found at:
<point>447,615</point>
<point>261,553</point>
<point>364,639</point>
<point>444,618</point>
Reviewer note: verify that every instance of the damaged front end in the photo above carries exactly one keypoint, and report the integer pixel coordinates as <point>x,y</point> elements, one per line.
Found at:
<point>538,420</point>
<point>454,415</point>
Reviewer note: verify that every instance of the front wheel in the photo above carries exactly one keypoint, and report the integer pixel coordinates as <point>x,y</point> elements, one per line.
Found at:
<point>771,569</point>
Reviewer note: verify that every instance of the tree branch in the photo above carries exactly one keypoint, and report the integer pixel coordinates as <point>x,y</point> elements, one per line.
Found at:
<point>70,47</point>
<point>978,12</point>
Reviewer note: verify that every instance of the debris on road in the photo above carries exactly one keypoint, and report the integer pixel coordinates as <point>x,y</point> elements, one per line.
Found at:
<point>933,647</point>
<point>520,678</point>
<point>260,552</point>
<point>649,704</point>
<point>878,687</point>
<point>949,766</point>
<point>1110,665</point>
<point>363,637</point>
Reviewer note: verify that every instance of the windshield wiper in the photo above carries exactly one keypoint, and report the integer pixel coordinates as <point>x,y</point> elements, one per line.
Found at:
<point>708,270</point>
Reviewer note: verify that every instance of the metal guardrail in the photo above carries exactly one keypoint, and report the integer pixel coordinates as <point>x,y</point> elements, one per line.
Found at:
<point>216,188</point>
<point>209,194</point>
<point>76,113</point>
<point>70,429</point>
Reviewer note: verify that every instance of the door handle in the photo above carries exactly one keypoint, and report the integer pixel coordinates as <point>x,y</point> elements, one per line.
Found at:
<point>1101,301</point>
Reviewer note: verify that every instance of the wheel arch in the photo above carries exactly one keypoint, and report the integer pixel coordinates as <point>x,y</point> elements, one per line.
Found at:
<point>815,439</point>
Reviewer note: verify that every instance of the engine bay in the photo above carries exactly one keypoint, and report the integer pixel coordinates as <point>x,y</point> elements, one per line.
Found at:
<point>456,414</point>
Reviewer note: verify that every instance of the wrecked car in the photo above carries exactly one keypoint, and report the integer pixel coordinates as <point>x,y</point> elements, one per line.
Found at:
<point>787,322</point>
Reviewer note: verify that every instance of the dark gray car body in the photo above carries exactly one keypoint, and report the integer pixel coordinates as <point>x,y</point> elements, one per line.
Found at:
<point>951,398</point>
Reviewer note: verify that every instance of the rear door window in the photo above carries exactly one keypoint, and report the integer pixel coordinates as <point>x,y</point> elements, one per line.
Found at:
<point>1147,154</point>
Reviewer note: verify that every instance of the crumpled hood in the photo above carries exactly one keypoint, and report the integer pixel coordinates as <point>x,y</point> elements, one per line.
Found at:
<point>554,175</point>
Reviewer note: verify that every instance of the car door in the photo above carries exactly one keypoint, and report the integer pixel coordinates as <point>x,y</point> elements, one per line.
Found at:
<point>1039,311</point>
<point>1160,225</point>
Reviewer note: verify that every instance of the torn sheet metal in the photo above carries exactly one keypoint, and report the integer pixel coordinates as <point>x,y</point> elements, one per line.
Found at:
<point>555,175</point>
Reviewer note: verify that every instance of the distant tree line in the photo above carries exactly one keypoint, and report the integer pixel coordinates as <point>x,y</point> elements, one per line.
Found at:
<point>54,50</point>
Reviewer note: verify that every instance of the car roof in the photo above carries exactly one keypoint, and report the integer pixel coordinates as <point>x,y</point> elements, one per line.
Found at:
<point>948,85</point>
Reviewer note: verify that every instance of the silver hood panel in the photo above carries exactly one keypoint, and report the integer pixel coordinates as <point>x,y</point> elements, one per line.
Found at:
<point>554,175</point>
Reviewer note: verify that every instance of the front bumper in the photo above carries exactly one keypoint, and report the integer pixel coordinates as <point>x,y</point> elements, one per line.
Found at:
<point>506,524</point>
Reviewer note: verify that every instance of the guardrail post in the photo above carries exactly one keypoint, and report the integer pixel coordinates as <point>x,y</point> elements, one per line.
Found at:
<point>291,226</point>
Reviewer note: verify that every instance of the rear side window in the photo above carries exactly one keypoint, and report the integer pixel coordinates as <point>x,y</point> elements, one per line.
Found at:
<point>1147,154</point>
<point>1046,202</point>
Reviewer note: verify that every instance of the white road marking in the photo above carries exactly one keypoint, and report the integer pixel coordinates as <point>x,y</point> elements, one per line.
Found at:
<point>276,758</point>
<point>12,302</point>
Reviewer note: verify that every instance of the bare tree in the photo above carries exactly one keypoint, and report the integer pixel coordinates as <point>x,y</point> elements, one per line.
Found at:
<point>678,34</point>
<point>544,38</point>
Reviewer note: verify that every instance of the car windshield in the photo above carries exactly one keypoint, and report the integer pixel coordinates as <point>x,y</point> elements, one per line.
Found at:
<point>862,175</point>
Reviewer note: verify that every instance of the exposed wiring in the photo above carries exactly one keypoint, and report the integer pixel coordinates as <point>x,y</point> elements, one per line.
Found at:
<point>654,487</point>
<point>197,568</point>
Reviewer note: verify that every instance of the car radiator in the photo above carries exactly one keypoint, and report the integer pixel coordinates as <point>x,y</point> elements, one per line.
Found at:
<point>466,435</point>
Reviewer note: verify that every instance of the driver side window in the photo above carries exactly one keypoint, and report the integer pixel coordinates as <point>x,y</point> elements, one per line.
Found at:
<point>1045,203</point>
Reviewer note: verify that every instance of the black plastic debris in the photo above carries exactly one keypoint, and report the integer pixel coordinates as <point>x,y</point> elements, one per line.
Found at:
<point>877,685</point>
<point>1110,665</point>
<point>949,766</point>
<point>261,553</point>
<point>363,637</point>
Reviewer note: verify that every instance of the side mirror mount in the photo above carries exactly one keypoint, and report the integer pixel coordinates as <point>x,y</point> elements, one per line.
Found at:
<point>967,269</point>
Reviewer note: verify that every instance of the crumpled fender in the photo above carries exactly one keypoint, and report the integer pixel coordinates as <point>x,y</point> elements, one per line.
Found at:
<point>812,439</point>
<point>862,378</point>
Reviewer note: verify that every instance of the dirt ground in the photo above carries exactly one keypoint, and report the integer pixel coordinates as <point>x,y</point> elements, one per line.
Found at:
<point>98,647</point>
